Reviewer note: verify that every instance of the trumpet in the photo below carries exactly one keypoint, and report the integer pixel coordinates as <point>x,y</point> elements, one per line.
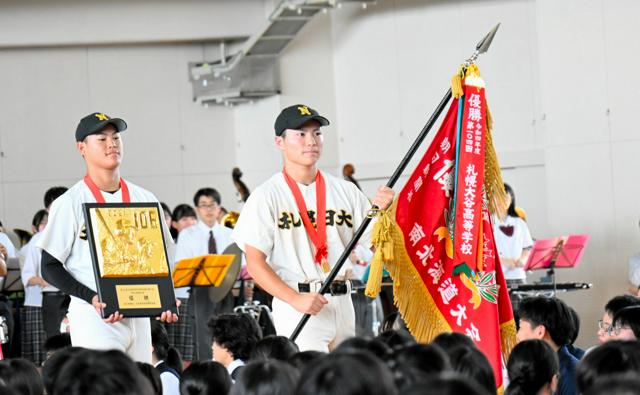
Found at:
<point>230,219</point>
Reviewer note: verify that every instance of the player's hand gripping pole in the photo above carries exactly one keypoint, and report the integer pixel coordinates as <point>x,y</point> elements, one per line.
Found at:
<point>481,48</point>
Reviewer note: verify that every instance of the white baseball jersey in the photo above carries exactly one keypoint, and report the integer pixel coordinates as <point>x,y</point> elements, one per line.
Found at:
<point>270,221</point>
<point>512,237</point>
<point>11,249</point>
<point>65,236</point>
<point>194,241</point>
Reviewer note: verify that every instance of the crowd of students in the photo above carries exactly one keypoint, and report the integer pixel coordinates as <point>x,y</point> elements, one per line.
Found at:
<point>544,361</point>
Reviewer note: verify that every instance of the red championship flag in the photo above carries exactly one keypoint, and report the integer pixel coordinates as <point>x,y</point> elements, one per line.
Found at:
<point>437,240</point>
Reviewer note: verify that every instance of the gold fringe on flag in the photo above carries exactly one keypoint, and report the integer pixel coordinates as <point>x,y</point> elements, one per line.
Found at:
<point>456,83</point>
<point>412,298</point>
<point>381,239</point>
<point>508,338</point>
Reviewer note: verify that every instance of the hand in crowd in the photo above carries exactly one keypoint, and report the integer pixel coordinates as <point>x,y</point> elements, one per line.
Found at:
<point>99,306</point>
<point>384,197</point>
<point>168,316</point>
<point>309,303</point>
<point>4,253</point>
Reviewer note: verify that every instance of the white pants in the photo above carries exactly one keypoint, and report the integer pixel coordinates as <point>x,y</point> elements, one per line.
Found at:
<point>131,335</point>
<point>325,330</point>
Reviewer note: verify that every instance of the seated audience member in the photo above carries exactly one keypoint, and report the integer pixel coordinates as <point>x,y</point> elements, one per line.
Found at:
<point>549,319</point>
<point>205,378</point>
<point>610,309</point>
<point>575,331</point>
<point>53,365</point>
<point>376,347</point>
<point>471,362</point>
<point>233,338</point>
<point>625,384</point>
<point>448,383</point>
<point>21,376</point>
<point>266,377</point>
<point>611,358</point>
<point>153,376</point>
<point>412,363</point>
<point>533,369</point>
<point>396,338</point>
<point>101,373</point>
<point>274,347</point>
<point>183,216</point>
<point>56,343</point>
<point>352,373</point>
<point>166,359</point>
<point>448,341</point>
<point>303,359</point>
<point>626,324</point>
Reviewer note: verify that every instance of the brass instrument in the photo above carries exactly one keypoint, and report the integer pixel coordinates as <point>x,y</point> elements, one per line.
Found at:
<point>230,219</point>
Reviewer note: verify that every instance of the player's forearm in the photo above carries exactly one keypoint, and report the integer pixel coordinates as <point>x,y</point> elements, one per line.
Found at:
<point>268,280</point>
<point>54,273</point>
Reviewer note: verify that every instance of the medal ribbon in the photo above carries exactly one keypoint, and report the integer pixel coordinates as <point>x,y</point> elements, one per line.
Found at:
<point>97,193</point>
<point>318,234</point>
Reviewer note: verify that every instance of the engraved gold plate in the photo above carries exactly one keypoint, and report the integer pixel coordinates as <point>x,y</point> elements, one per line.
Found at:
<point>143,296</point>
<point>129,242</point>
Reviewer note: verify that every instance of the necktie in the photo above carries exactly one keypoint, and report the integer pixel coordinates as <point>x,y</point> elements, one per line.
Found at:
<point>212,243</point>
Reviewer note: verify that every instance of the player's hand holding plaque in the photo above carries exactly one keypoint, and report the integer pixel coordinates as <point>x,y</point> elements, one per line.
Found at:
<point>129,255</point>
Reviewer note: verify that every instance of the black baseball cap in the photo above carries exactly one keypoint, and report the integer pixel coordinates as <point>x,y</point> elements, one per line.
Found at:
<point>297,115</point>
<point>96,122</point>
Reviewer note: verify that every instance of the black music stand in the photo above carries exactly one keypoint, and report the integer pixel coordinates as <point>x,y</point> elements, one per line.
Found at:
<point>12,282</point>
<point>557,252</point>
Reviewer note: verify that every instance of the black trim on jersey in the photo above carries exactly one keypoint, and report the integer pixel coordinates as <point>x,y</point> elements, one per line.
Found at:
<point>55,274</point>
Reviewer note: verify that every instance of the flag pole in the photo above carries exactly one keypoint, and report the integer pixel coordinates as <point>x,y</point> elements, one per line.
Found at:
<point>481,48</point>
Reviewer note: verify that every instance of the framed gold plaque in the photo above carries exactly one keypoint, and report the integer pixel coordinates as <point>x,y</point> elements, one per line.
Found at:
<point>129,255</point>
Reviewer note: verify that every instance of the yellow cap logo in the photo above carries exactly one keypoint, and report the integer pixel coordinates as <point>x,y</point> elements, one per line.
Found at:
<point>304,110</point>
<point>102,117</point>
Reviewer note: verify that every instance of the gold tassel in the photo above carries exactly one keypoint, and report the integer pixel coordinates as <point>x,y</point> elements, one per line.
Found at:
<point>493,184</point>
<point>411,296</point>
<point>383,243</point>
<point>456,83</point>
<point>508,338</point>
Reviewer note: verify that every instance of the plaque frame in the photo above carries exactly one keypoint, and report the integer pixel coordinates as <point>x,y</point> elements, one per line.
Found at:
<point>109,287</point>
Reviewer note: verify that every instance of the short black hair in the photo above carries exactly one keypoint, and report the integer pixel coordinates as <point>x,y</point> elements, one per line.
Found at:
<point>532,364</point>
<point>238,333</point>
<point>209,192</point>
<point>152,374</point>
<point>39,216</point>
<point>619,302</point>
<point>396,338</point>
<point>205,377</point>
<point>162,348</point>
<point>613,357</point>
<point>181,211</point>
<point>57,342</point>
<point>471,362</point>
<point>629,316</point>
<point>374,346</point>
<point>451,340</point>
<point>447,383</point>
<point>54,364</point>
<point>266,377</point>
<point>552,313</point>
<point>412,363</point>
<point>52,194</point>
<point>21,376</point>
<point>274,347</point>
<point>166,208</point>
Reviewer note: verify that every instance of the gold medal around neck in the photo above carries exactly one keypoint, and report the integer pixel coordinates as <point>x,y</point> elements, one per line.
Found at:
<point>325,265</point>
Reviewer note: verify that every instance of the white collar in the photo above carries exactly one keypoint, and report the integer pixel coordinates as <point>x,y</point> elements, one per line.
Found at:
<point>235,365</point>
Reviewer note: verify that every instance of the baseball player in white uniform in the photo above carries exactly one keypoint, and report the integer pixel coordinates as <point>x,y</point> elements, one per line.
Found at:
<point>289,255</point>
<point>66,259</point>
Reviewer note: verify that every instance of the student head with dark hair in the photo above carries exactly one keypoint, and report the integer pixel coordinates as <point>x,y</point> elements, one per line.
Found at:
<point>549,319</point>
<point>151,374</point>
<point>21,376</point>
<point>376,347</point>
<point>451,340</point>
<point>412,363</point>
<point>511,211</point>
<point>448,383</point>
<point>626,324</point>
<point>205,378</point>
<point>233,338</point>
<point>166,359</point>
<point>54,363</point>
<point>101,373</point>
<point>471,362</point>
<point>274,347</point>
<point>611,358</point>
<point>52,194</point>
<point>614,305</point>
<point>575,331</point>
<point>533,369</point>
<point>353,373</point>
<point>619,384</point>
<point>208,192</point>
<point>39,220</point>
<point>266,377</point>
<point>396,338</point>
<point>56,343</point>
<point>183,216</point>
<point>303,359</point>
